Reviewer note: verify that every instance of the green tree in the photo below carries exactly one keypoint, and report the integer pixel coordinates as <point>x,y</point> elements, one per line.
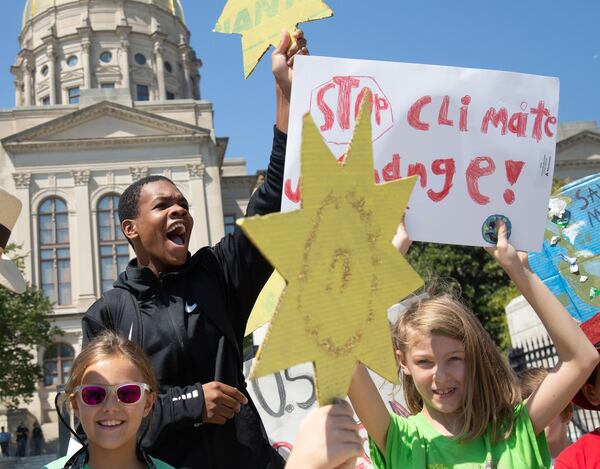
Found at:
<point>24,325</point>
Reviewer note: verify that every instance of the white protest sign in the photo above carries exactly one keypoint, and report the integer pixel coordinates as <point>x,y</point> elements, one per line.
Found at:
<point>285,398</point>
<point>482,142</point>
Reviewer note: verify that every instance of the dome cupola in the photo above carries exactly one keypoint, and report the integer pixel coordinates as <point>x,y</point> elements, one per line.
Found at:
<point>126,50</point>
<point>35,7</point>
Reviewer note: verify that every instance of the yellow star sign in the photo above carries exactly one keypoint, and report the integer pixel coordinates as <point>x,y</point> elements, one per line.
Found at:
<point>342,270</point>
<point>260,23</point>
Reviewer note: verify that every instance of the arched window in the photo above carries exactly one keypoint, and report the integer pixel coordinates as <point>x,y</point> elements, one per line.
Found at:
<point>58,360</point>
<point>55,257</point>
<point>114,248</point>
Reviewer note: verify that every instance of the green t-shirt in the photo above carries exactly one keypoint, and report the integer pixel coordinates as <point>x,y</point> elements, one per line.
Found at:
<point>59,463</point>
<point>413,443</point>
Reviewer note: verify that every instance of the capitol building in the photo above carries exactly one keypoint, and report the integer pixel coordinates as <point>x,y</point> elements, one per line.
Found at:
<point>106,92</point>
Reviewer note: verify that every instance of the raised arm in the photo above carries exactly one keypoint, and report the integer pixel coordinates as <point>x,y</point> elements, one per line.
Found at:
<point>369,407</point>
<point>577,356</point>
<point>245,269</point>
<point>282,61</point>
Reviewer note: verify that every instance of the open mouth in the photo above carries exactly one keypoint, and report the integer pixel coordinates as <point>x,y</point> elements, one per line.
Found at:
<point>444,393</point>
<point>110,424</point>
<point>177,233</point>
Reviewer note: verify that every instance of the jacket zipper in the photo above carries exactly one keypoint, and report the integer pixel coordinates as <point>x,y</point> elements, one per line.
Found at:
<point>174,326</point>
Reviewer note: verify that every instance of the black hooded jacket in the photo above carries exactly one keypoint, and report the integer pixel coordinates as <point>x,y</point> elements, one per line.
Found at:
<point>191,323</point>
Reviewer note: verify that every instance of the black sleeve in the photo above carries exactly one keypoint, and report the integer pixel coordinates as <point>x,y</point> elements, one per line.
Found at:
<point>244,267</point>
<point>178,407</point>
<point>177,410</point>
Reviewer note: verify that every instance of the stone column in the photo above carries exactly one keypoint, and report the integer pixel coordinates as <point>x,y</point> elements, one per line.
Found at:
<point>214,204</point>
<point>24,225</point>
<point>50,52</point>
<point>87,68</point>
<point>82,257</point>
<point>185,60</point>
<point>27,81</point>
<point>18,93</point>
<point>124,64</point>
<point>198,207</point>
<point>160,64</point>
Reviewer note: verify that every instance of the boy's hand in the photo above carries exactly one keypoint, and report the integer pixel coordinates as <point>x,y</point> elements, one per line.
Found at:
<point>221,402</point>
<point>328,438</point>
<point>401,241</point>
<point>282,63</point>
<point>283,60</point>
<point>511,260</point>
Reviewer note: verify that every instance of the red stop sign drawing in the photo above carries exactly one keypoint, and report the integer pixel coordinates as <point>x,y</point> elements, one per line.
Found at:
<point>335,104</point>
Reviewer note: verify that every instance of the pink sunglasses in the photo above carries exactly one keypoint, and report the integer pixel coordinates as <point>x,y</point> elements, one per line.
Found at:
<point>95,394</point>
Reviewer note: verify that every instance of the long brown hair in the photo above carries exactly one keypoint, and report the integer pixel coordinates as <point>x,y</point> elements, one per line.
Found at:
<point>108,345</point>
<point>491,389</point>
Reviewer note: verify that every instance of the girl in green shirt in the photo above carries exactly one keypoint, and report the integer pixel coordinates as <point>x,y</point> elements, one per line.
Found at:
<point>466,404</point>
<point>111,389</point>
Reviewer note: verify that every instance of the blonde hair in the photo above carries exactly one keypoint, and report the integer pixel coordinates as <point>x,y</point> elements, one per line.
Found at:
<point>491,389</point>
<point>109,344</point>
<point>530,379</point>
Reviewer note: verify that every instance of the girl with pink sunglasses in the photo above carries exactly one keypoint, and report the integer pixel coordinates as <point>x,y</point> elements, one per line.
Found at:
<point>112,388</point>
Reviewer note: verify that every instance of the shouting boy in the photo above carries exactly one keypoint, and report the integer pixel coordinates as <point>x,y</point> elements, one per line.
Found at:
<point>189,312</point>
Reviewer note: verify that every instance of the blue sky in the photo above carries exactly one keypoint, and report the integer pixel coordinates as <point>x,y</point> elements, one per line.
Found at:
<point>557,38</point>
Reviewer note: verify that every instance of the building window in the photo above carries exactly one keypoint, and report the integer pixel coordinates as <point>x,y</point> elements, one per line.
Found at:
<point>143,93</point>
<point>72,61</point>
<point>140,59</point>
<point>55,258</point>
<point>58,360</point>
<point>44,70</point>
<point>229,223</point>
<point>168,67</point>
<point>107,85</point>
<point>106,57</point>
<point>46,100</point>
<point>170,95</point>
<point>113,246</point>
<point>74,95</point>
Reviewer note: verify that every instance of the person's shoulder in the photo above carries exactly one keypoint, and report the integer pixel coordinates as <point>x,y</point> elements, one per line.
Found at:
<point>161,464</point>
<point>412,425</point>
<point>57,464</point>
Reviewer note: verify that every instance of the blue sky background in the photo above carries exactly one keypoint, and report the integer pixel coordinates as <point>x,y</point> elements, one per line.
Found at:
<point>557,38</point>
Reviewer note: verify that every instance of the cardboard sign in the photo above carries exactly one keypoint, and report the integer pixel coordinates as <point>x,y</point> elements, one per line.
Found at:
<point>285,398</point>
<point>341,269</point>
<point>260,23</point>
<point>570,259</point>
<point>266,303</point>
<point>481,142</point>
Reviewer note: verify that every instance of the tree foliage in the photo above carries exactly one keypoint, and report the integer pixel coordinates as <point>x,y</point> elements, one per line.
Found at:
<point>24,325</point>
<point>483,284</point>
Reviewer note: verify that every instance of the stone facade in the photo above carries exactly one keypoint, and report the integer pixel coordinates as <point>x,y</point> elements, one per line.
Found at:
<point>79,134</point>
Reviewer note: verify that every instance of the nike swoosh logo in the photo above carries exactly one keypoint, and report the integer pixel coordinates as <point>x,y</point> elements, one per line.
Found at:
<point>190,308</point>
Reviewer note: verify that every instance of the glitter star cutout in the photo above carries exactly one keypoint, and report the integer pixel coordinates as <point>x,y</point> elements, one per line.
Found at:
<point>341,269</point>
<point>260,23</point>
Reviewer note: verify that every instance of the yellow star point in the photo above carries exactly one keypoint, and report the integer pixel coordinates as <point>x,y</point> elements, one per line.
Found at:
<point>260,23</point>
<point>341,269</point>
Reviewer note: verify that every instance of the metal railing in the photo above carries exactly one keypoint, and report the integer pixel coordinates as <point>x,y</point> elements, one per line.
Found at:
<point>541,353</point>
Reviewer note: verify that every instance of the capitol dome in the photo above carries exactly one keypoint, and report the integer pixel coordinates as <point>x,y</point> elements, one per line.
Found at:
<point>76,51</point>
<point>34,7</point>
